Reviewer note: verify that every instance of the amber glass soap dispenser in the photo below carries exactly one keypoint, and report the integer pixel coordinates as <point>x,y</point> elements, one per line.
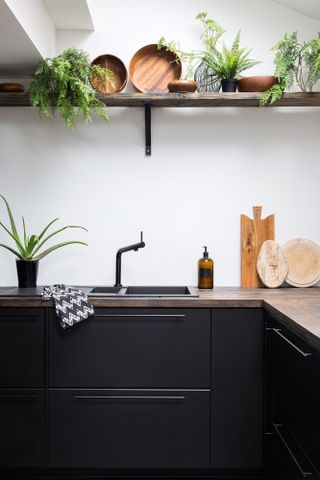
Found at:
<point>205,269</point>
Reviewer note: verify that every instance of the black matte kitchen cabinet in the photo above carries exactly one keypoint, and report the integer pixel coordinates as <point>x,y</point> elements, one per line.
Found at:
<point>129,429</point>
<point>22,427</point>
<point>22,393</point>
<point>237,388</point>
<point>21,348</point>
<point>294,399</point>
<point>132,348</point>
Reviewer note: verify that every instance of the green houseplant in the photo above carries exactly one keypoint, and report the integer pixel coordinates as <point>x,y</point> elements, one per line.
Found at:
<point>204,76</point>
<point>188,59</point>
<point>294,62</point>
<point>28,250</point>
<point>229,63</point>
<point>62,84</point>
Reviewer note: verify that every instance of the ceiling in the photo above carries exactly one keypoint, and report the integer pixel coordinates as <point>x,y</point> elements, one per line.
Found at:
<point>70,15</point>
<point>20,43</point>
<point>18,54</point>
<point>311,8</point>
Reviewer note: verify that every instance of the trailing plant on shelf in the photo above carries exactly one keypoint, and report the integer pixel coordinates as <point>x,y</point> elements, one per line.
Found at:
<point>294,62</point>
<point>229,63</point>
<point>187,59</point>
<point>29,249</point>
<point>62,84</point>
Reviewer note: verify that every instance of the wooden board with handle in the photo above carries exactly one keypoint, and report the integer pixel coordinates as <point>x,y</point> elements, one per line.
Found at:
<point>254,232</point>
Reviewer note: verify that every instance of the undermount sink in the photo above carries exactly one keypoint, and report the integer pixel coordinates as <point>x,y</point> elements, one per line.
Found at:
<point>160,292</point>
<point>106,291</point>
<point>140,291</point>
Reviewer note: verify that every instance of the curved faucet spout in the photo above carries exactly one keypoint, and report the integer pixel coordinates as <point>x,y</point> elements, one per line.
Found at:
<point>135,247</point>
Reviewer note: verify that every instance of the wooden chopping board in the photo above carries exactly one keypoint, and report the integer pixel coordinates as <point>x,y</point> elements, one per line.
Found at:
<point>272,265</point>
<point>254,232</point>
<point>304,262</point>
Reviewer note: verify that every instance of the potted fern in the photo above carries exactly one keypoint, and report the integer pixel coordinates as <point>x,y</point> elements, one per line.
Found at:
<point>28,249</point>
<point>62,84</point>
<point>229,63</point>
<point>294,62</point>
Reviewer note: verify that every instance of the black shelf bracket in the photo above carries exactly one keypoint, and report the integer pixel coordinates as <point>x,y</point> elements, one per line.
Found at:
<point>147,123</point>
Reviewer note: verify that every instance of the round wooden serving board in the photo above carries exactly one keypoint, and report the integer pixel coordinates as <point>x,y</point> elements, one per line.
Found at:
<point>304,262</point>
<point>118,69</point>
<point>151,69</point>
<point>272,264</point>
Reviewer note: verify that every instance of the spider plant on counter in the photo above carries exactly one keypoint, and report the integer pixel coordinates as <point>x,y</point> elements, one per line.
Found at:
<point>29,249</point>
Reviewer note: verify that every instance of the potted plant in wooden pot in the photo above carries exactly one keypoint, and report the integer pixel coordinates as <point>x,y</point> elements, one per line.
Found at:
<point>28,249</point>
<point>229,63</point>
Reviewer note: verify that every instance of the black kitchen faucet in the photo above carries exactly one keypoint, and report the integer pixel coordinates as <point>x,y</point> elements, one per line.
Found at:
<point>122,250</point>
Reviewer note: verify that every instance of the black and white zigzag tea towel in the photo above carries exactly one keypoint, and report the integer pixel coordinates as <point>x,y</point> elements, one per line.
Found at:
<point>72,305</point>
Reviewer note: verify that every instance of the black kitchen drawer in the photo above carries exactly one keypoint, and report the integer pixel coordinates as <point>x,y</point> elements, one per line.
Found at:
<point>296,368</point>
<point>237,388</point>
<point>289,462</point>
<point>131,348</point>
<point>22,414</point>
<point>129,429</point>
<point>21,347</point>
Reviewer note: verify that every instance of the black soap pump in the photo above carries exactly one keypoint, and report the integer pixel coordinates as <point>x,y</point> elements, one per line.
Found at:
<point>205,271</point>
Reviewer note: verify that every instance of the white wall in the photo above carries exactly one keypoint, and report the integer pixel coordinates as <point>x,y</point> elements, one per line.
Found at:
<point>207,166</point>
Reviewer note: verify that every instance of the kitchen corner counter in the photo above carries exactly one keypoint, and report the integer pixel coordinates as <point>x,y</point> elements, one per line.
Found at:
<point>298,308</point>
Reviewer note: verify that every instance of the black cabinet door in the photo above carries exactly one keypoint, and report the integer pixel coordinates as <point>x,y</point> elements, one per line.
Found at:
<point>130,348</point>
<point>22,428</point>
<point>129,429</point>
<point>296,382</point>
<point>237,388</point>
<point>289,463</point>
<point>21,347</point>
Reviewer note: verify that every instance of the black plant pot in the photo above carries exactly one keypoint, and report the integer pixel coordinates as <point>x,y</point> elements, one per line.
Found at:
<point>27,271</point>
<point>229,85</point>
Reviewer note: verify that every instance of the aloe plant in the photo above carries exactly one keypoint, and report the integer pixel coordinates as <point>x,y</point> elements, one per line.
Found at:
<point>29,247</point>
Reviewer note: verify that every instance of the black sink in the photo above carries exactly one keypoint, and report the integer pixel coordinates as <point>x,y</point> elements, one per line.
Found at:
<point>106,291</point>
<point>160,292</point>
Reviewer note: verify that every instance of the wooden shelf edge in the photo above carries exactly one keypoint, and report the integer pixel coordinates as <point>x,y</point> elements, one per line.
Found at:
<point>211,100</point>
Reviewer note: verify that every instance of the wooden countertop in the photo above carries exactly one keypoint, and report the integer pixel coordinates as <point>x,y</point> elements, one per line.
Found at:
<point>298,308</point>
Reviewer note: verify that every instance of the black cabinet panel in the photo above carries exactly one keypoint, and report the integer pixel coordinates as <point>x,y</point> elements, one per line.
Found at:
<point>129,429</point>
<point>21,348</point>
<point>237,388</point>
<point>289,463</point>
<point>22,414</point>
<point>131,348</point>
<point>296,373</point>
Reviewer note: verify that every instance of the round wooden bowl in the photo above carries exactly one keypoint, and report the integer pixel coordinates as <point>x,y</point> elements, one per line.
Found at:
<point>11,87</point>
<point>182,86</point>
<point>117,67</point>
<point>151,69</point>
<point>256,83</point>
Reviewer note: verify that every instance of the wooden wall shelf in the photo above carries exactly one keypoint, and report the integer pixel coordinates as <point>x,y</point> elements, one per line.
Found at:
<point>297,99</point>
<point>174,100</point>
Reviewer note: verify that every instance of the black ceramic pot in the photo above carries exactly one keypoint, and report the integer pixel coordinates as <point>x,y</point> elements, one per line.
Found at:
<point>229,85</point>
<point>27,271</point>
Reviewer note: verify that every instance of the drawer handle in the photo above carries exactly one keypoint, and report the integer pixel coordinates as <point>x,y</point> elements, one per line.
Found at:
<point>164,398</point>
<point>277,427</point>
<point>139,316</point>
<point>12,398</point>
<point>304,354</point>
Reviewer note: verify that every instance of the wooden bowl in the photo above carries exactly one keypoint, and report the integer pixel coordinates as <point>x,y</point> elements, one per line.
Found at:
<point>11,87</point>
<point>118,69</point>
<point>182,86</point>
<point>151,69</point>
<point>256,83</point>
